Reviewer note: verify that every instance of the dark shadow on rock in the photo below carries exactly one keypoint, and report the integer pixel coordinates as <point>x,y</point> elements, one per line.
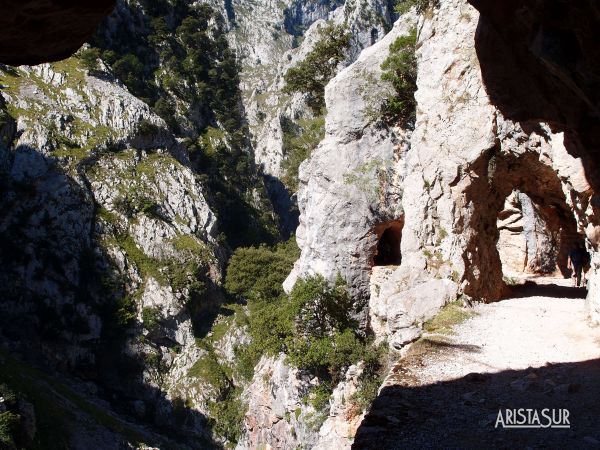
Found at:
<point>540,62</point>
<point>531,289</point>
<point>57,282</point>
<point>436,344</point>
<point>462,413</point>
<point>284,204</point>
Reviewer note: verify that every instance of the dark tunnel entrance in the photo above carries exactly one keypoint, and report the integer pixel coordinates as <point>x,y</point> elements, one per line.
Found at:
<point>387,252</point>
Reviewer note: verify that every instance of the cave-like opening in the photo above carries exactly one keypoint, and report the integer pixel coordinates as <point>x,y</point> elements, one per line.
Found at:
<point>389,240</point>
<point>522,226</point>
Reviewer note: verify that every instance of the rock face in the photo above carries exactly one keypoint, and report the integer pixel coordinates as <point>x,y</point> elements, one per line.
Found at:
<point>533,240</point>
<point>265,64</point>
<point>278,417</point>
<point>37,31</point>
<point>466,157</point>
<point>451,203</point>
<point>553,46</point>
<point>351,187</point>
<point>107,239</point>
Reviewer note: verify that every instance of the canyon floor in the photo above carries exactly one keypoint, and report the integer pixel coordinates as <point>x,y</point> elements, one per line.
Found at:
<point>531,350</point>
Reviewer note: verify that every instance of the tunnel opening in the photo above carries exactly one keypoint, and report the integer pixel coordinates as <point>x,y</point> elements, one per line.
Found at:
<point>522,225</point>
<point>389,240</point>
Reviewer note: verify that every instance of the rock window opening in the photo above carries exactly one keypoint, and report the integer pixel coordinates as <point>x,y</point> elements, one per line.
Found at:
<point>387,252</point>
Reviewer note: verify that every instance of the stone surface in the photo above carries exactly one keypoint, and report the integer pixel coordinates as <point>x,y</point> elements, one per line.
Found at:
<point>352,184</point>
<point>269,39</point>
<point>278,418</point>
<point>533,239</point>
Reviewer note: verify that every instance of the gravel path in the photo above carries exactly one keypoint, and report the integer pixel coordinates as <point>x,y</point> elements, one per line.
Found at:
<point>534,350</point>
<point>517,333</point>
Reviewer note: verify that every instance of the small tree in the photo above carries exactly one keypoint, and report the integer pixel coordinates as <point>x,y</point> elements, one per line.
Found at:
<point>311,75</point>
<point>90,57</point>
<point>320,308</point>
<point>400,68</point>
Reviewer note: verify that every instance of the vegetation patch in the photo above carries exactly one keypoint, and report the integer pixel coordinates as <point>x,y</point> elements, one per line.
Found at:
<point>400,69</point>
<point>421,6</point>
<point>312,325</point>
<point>311,75</point>
<point>299,141</point>
<point>450,315</point>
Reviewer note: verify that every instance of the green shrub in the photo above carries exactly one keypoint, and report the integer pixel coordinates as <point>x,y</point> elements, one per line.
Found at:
<point>403,6</point>
<point>400,68</point>
<point>318,397</point>
<point>246,357</point>
<point>299,140</point>
<point>227,415</point>
<point>375,364</point>
<point>130,70</point>
<point>320,308</point>
<point>150,317</point>
<point>9,423</point>
<point>311,75</point>
<point>125,310</point>
<point>146,128</point>
<point>258,273</point>
<point>214,373</point>
<point>89,58</point>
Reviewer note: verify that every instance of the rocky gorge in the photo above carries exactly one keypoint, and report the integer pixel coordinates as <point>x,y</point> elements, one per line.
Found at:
<point>194,256</point>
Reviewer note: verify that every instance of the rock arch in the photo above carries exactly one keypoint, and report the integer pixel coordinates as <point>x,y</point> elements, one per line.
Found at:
<point>534,239</point>
<point>495,176</point>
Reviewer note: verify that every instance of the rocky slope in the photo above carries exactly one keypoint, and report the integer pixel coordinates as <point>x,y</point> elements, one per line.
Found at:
<point>107,236</point>
<point>114,235</point>
<point>294,30</point>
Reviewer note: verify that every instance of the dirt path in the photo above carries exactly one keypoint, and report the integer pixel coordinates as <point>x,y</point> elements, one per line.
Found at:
<point>534,350</point>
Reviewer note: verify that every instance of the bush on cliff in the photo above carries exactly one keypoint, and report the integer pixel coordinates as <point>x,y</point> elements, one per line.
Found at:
<point>400,69</point>
<point>311,75</point>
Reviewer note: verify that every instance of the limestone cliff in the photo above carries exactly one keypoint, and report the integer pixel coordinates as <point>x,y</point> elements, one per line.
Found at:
<point>351,187</point>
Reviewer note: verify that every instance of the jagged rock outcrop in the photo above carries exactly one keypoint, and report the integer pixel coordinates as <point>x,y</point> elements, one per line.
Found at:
<point>279,417</point>
<point>351,187</point>
<point>465,158</point>
<point>37,31</point>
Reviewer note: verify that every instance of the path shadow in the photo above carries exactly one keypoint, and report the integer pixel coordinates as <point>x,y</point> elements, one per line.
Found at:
<point>540,62</point>
<point>531,289</point>
<point>462,413</point>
